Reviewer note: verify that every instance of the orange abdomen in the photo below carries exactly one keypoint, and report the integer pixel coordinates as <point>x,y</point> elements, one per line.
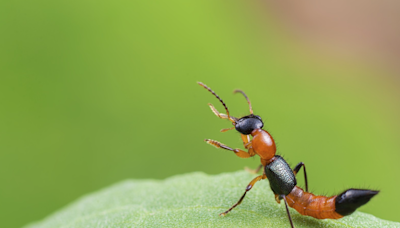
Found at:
<point>320,207</point>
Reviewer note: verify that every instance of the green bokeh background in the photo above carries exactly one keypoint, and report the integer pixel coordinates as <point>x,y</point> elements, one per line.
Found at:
<point>94,92</point>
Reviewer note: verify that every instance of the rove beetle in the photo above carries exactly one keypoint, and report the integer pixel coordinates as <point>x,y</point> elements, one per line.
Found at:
<point>281,177</point>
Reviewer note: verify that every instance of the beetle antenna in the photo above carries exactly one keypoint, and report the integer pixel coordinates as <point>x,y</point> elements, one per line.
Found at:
<point>248,101</point>
<point>223,103</point>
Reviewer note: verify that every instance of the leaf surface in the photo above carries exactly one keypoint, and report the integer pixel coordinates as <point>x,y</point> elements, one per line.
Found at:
<point>190,200</point>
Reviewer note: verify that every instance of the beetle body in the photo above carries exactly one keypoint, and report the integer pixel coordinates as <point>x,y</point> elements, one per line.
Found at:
<point>281,177</point>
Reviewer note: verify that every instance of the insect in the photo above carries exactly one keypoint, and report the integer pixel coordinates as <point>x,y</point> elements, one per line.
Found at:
<point>281,177</point>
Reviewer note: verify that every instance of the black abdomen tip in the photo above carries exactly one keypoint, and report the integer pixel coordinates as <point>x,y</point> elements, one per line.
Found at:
<point>351,199</point>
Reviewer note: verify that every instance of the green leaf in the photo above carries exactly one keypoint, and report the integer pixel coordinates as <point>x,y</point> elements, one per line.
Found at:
<point>191,200</point>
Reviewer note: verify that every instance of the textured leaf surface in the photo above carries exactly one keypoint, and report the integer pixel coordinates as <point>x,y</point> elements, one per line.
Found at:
<point>190,200</point>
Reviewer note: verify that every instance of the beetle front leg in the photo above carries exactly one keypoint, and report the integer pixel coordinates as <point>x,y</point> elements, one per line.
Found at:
<point>238,152</point>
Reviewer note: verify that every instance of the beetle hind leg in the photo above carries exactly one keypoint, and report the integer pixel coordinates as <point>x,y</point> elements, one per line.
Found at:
<point>287,211</point>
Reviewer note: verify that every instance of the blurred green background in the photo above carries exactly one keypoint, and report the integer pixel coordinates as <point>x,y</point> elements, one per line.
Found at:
<point>95,92</point>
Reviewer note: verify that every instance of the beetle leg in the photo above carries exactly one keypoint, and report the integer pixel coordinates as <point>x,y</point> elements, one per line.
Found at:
<point>287,211</point>
<point>296,170</point>
<point>254,171</point>
<point>238,152</point>
<point>248,188</point>
<point>277,199</point>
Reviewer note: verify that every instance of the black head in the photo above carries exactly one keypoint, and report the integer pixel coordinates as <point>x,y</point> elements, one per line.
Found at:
<point>247,124</point>
<point>244,125</point>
